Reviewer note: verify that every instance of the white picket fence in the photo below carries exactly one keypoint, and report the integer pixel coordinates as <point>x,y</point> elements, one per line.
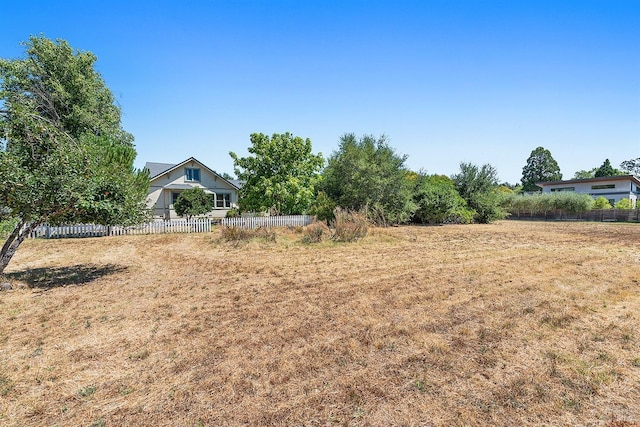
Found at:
<point>268,221</point>
<point>198,225</point>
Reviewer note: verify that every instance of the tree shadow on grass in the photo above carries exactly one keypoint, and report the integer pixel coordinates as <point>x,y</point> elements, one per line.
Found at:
<point>54,277</point>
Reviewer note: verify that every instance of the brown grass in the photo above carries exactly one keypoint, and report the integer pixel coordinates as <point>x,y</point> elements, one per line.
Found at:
<point>515,323</point>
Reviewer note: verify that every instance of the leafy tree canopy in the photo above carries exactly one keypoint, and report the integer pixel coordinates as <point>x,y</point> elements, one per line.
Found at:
<point>584,174</point>
<point>540,167</point>
<point>280,176</point>
<point>438,201</point>
<point>193,202</point>
<point>64,156</point>
<point>366,173</point>
<point>607,170</point>
<point>631,166</point>
<point>477,186</point>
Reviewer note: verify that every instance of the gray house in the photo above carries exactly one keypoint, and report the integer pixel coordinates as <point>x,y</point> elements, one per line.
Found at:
<point>612,188</point>
<point>168,180</point>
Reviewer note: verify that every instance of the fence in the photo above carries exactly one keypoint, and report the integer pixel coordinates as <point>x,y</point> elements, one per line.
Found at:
<point>267,221</point>
<point>199,225</point>
<point>602,215</point>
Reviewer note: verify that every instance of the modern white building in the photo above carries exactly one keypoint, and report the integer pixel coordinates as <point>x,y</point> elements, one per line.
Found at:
<point>612,188</point>
<point>168,180</point>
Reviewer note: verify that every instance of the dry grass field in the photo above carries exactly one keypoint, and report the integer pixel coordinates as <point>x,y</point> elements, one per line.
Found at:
<point>514,323</point>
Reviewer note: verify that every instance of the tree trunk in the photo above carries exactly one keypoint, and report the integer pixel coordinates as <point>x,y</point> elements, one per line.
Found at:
<point>17,236</point>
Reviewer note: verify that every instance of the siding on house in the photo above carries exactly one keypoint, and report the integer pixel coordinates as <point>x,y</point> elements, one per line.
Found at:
<point>612,188</point>
<point>168,180</point>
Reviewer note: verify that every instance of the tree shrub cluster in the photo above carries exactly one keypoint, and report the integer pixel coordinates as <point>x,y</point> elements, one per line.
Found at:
<point>543,203</point>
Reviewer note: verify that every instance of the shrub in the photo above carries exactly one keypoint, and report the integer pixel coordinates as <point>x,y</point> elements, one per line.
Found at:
<point>315,233</point>
<point>348,226</point>
<point>602,203</point>
<point>624,204</point>
<point>237,234</point>
<point>233,213</point>
<point>322,208</point>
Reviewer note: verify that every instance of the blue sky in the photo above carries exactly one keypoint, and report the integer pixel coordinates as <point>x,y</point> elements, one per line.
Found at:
<point>446,81</point>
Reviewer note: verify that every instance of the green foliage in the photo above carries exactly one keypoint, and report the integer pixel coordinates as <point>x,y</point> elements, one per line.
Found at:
<point>631,166</point>
<point>540,167</point>
<point>367,174</point>
<point>438,201</point>
<point>566,201</point>
<point>584,174</point>
<point>193,202</point>
<point>322,208</point>
<point>281,176</point>
<point>7,226</point>
<point>64,156</point>
<point>607,170</point>
<point>349,226</point>
<point>232,213</point>
<point>477,186</point>
<point>602,203</point>
<point>624,203</point>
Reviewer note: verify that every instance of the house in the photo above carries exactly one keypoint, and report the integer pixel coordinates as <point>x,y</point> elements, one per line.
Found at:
<point>168,180</point>
<point>612,188</point>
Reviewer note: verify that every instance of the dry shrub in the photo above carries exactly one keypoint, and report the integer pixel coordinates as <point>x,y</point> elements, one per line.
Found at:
<point>348,226</point>
<point>315,233</point>
<point>237,234</point>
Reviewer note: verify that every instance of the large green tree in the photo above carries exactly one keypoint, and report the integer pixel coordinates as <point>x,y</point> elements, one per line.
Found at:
<point>607,170</point>
<point>478,187</point>
<point>367,173</point>
<point>540,167</point>
<point>64,156</point>
<point>280,176</point>
<point>631,166</point>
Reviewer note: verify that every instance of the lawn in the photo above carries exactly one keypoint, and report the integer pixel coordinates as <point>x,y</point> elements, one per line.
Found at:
<point>514,323</point>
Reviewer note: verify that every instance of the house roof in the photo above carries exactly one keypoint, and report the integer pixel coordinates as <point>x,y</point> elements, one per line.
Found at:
<point>157,169</point>
<point>631,178</point>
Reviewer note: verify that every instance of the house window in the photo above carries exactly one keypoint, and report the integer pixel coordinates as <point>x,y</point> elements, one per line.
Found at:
<point>223,200</point>
<point>612,202</point>
<point>174,196</point>
<point>603,186</point>
<point>563,189</point>
<point>192,174</point>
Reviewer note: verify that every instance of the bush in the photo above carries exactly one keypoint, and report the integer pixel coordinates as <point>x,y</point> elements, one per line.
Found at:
<point>233,213</point>
<point>322,208</point>
<point>624,204</point>
<point>602,203</point>
<point>237,234</point>
<point>348,226</point>
<point>568,202</point>
<point>315,233</point>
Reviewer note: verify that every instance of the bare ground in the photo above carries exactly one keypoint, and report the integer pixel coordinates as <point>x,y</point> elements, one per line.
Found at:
<point>515,323</point>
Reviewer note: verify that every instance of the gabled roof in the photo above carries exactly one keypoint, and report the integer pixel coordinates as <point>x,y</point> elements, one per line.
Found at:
<point>631,178</point>
<point>157,169</point>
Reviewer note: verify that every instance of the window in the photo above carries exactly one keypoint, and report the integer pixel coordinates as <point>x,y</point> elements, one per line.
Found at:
<point>191,174</point>
<point>223,200</point>
<point>603,186</point>
<point>612,202</point>
<point>174,196</point>
<point>563,189</point>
